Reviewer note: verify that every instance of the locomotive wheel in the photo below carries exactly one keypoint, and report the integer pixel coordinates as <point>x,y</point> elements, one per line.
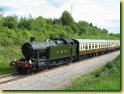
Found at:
<point>69,61</point>
<point>35,68</point>
<point>28,71</point>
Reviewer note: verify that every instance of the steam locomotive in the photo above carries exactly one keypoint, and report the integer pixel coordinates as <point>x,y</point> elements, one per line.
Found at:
<point>40,55</point>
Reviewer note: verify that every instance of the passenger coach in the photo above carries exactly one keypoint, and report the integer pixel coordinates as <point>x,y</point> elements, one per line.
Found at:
<point>95,47</point>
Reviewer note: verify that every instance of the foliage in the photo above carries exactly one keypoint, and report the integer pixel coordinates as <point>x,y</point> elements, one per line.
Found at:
<point>10,22</point>
<point>1,13</point>
<point>1,17</point>
<point>67,19</point>
<point>25,23</point>
<point>15,31</point>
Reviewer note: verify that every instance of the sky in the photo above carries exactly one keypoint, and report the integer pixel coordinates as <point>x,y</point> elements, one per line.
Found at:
<point>101,13</point>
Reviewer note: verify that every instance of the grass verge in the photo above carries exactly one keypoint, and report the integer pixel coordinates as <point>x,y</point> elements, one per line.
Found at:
<point>104,78</point>
<point>8,54</point>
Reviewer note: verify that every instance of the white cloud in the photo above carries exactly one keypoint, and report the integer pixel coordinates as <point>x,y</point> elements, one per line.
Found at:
<point>103,13</point>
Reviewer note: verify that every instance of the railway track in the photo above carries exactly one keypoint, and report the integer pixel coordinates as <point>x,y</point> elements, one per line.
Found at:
<point>16,76</point>
<point>9,77</point>
<point>6,75</point>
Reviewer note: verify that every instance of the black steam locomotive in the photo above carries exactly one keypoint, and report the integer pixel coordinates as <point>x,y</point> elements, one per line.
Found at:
<point>39,55</point>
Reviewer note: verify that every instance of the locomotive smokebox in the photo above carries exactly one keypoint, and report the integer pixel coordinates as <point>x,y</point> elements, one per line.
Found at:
<point>32,39</point>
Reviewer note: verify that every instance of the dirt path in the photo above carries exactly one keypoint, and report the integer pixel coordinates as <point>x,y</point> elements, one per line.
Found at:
<point>59,77</point>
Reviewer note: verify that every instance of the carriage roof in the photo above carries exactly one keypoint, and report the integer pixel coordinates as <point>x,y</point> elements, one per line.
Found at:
<point>94,41</point>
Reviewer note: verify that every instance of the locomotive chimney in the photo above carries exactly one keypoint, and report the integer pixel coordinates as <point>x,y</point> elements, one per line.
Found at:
<point>32,39</point>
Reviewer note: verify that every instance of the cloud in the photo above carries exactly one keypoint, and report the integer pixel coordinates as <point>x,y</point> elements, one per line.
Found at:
<point>102,13</point>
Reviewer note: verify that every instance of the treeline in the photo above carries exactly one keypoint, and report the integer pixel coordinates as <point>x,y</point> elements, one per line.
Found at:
<point>14,30</point>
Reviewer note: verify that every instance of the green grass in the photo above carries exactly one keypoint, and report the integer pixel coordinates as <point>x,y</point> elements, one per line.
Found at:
<point>8,54</point>
<point>104,78</point>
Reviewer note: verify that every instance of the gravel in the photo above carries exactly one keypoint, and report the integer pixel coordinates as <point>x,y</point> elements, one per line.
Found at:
<point>59,77</point>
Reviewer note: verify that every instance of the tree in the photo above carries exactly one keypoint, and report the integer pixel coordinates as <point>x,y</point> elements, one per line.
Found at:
<point>91,24</point>
<point>105,31</point>
<point>82,25</point>
<point>1,16</point>
<point>67,19</point>
<point>10,22</point>
<point>57,21</point>
<point>49,21</point>
<point>38,24</point>
<point>1,13</point>
<point>26,23</point>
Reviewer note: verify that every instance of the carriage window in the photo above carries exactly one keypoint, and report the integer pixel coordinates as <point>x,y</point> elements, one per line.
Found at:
<point>95,45</point>
<point>112,43</point>
<point>86,46</point>
<point>89,46</point>
<point>92,46</point>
